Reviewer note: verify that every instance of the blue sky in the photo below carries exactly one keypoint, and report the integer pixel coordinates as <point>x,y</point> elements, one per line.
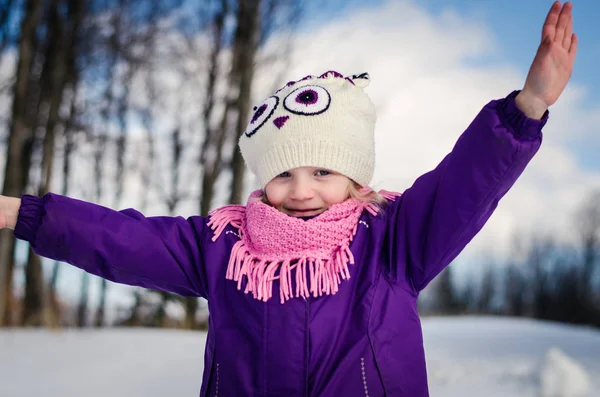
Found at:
<point>516,23</point>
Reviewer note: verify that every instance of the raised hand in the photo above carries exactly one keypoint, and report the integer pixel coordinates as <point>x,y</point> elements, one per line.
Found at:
<point>552,66</point>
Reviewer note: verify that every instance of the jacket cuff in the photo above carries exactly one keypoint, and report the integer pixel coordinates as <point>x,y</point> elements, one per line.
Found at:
<point>523,126</point>
<point>29,219</point>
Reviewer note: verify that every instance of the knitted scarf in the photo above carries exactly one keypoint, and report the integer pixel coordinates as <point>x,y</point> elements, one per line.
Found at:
<point>311,255</point>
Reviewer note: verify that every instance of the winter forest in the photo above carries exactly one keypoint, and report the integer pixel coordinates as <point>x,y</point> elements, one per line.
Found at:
<point>102,96</point>
<point>139,103</point>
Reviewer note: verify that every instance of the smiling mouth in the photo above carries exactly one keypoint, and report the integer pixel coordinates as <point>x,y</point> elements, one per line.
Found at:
<point>302,212</point>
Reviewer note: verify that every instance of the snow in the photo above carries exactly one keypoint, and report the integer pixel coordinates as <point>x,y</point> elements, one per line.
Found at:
<point>493,357</point>
<point>560,376</point>
<point>483,356</point>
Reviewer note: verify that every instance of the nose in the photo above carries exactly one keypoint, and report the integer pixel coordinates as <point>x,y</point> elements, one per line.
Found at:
<point>302,190</point>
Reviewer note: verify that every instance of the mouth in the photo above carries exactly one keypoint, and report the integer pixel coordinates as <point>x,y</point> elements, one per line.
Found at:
<point>303,212</point>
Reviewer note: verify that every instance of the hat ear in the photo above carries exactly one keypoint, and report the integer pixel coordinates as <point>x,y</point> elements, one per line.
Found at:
<point>361,80</point>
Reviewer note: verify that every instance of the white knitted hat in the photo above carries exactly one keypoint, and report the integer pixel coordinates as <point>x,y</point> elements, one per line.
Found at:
<point>326,122</point>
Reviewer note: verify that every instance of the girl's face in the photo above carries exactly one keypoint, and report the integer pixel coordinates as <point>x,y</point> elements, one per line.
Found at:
<point>307,191</point>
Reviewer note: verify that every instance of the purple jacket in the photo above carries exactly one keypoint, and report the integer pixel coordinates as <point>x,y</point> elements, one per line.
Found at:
<point>364,341</point>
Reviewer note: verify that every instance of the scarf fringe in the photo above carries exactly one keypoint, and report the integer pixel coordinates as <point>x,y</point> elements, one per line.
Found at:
<point>313,276</point>
<point>390,196</point>
<point>228,215</point>
<point>373,208</point>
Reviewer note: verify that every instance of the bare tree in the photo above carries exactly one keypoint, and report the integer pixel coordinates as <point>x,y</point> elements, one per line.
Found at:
<point>18,147</point>
<point>588,219</point>
<point>588,280</point>
<point>514,296</point>
<point>68,148</point>
<point>487,290</point>
<point>114,45</point>
<point>176,195</point>
<point>211,146</point>
<point>242,75</point>
<point>61,35</point>
<point>447,299</point>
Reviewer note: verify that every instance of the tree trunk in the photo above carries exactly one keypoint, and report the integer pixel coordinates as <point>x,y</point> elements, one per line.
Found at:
<point>66,172</point>
<point>20,135</point>
<point>446,296</point>
<point>191,308</point>
<point>82,308</point>
<point>52,82</point>
<point>58,59</point>
<point>100,319</point>
<point>122,106</point>
<point>71,79</point>
<point>245,46</point>
<point>208,143</point>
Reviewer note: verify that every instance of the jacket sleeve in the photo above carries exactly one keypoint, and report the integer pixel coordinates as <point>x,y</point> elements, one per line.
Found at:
<point>162,253</point>
<point>445,208</point>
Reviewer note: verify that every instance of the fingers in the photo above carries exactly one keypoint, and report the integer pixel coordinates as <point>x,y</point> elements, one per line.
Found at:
<point>573,47</point>
<point>564,20</point>
<point>566,43</point>
<point>549,29</point>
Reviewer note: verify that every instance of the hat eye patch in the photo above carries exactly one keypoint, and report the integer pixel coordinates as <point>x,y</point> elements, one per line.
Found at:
<point>308,100</point>
<point>261,114</point>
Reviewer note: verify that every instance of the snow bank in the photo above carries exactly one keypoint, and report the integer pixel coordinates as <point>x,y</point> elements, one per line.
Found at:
<point>561,376</point>
<point>508,357</point>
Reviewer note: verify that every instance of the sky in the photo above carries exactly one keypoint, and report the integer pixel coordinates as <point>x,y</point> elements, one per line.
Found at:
<point>515,23</point>
<point>433,65</point>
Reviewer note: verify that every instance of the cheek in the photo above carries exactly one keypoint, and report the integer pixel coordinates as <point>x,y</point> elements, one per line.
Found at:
<point>275,194</point>
<point>338,192</point>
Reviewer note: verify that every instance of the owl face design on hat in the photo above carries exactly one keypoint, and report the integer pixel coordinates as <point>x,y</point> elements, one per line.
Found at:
<point>325,121</point>
<point>306,100</point>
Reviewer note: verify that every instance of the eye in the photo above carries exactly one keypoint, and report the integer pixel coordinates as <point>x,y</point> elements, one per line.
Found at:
<point>323,173</point>
<point>283,175</point>
<point>308,100</point>
<point>261,114</point>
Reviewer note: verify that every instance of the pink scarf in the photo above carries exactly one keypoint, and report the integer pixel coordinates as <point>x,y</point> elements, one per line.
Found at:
<point>274,245</point>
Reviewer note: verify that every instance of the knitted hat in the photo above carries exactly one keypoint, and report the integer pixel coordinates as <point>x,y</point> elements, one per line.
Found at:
<point>326,122</point>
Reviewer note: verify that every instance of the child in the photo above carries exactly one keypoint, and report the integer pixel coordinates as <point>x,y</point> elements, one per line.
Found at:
<point>313,285</point>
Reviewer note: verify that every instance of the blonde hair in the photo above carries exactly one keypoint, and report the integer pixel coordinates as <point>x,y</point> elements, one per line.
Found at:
<point>370,196</point>
<point>354,191</point>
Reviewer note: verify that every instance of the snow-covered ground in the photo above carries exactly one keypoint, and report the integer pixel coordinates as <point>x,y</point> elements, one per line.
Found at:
<point>496,357</point>
<point>466,356</point>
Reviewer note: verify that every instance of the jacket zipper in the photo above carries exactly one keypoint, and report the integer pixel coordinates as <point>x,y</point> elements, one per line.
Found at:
<point>306,345</point>
<point>364,376</point>
<point>217,381</point>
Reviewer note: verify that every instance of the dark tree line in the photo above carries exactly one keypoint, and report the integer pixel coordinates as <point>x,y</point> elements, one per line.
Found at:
<point>551,280</point>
